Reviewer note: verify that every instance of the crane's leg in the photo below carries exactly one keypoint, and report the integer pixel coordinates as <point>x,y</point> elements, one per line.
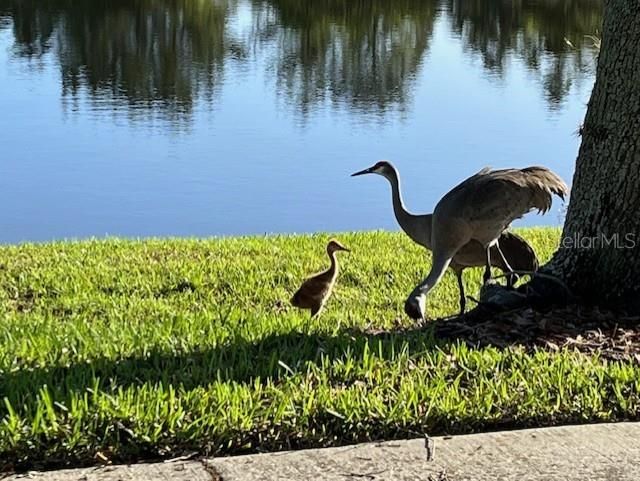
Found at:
<point>463,300</point>
<point>487,270</point>
<point>315,311</point>
<point>447,237</point>
<point>415,304</point>
<point>512,278</point>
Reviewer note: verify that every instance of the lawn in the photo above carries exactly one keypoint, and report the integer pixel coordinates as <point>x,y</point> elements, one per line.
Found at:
<point>121,350</point>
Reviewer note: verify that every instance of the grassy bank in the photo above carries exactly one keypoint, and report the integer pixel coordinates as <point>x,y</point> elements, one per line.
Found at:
<point>122,350</point>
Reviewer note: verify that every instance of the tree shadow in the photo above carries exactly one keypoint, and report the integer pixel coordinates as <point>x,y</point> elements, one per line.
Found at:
<point>271,358</point>
<point>280,355</point>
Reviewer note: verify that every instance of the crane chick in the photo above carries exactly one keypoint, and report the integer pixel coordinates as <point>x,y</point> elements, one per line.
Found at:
<point>315,291</point>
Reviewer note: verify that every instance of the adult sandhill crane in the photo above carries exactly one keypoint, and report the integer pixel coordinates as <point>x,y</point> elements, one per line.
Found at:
<point>315,291</point>
<point>481,208</point>
<point>519,254</point>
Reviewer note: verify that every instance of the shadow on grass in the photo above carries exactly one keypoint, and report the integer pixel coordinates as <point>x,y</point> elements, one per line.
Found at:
<point>272,357</point>
<point>275,357</point>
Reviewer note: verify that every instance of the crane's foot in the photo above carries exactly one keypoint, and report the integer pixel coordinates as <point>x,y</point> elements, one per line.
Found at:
<point>512,279</point>
<point>414,307</point>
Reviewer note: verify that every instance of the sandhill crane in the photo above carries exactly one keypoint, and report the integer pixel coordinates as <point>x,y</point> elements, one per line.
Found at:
<point>315,291</point>
<point>517,251</point>
<point>481,208</point>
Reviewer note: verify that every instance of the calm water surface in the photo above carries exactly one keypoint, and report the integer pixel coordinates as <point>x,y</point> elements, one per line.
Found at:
<point>221,117</point>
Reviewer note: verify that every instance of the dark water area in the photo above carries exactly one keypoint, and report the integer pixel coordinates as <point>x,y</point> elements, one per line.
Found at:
<point>199,118</point>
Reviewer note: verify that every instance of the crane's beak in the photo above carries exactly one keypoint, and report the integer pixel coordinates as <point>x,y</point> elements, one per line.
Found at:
<point>363,172</point>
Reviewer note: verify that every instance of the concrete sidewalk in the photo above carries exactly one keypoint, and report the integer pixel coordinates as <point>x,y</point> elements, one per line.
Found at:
<point>608,452</point>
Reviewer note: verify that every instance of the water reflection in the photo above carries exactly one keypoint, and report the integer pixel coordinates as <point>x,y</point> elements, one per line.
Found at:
<point>145,55</point>
<point>535,31</point>
<point>363,54</point>
<point>160,56</point>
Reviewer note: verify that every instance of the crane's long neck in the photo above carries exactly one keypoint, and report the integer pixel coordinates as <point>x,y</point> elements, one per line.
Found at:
<point>417,227</point>
<point>333,269</point>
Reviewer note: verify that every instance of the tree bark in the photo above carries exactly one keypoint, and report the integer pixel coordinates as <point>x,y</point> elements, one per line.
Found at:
<point>599,254</point>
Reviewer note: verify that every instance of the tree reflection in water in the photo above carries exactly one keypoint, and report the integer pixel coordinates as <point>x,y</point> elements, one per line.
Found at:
<point>158,57</point>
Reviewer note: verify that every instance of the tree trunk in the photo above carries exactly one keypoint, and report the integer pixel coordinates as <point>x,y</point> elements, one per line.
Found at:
<point>599,254</point>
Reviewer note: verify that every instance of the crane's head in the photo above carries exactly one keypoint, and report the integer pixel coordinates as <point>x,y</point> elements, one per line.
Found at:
<point>334,246</point>
<point>382,168</point>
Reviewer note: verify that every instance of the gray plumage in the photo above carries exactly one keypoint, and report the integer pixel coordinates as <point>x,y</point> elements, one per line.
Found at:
<point>518,253</point>
<point>478,210</point>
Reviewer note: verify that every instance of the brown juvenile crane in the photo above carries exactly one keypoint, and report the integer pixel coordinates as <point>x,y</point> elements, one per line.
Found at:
<point>519,254</point>
<point>480,209</point>
<point>315,291</point>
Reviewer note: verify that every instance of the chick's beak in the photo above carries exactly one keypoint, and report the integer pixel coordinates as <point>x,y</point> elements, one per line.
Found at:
<point>363,172</point>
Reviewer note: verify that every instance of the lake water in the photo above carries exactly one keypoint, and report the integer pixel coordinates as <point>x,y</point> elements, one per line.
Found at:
<point>222,117</point>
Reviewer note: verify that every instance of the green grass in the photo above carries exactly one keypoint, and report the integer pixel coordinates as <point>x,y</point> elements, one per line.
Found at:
<point>142,349</point>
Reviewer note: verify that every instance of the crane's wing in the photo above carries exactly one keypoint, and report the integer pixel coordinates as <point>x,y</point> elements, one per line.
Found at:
<point>506,194</point>
<point>312,289</point>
